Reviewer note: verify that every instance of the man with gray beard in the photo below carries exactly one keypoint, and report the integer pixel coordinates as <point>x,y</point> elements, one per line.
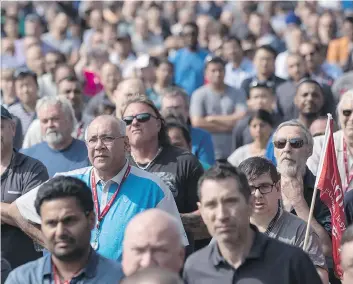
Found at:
<point>293,145</point>
<point>59,152</point>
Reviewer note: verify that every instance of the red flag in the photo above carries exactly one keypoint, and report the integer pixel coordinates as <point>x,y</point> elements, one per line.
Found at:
<point>328,181</point>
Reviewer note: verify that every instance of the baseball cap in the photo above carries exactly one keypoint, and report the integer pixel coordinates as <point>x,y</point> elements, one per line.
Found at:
<point>5,113</point>
<point>292,18</point>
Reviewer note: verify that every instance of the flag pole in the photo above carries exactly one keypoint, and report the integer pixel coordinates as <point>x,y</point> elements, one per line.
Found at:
<point>312,205</point>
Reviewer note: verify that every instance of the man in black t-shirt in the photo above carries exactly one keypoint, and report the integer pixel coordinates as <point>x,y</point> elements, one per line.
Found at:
<point>151,151</point>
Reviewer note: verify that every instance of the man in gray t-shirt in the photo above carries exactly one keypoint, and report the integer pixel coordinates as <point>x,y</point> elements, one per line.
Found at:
<point>216,107</point>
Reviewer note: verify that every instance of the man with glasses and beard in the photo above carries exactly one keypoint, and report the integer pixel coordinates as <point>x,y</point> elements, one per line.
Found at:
<point>59,152</point>
<point>66,209</point>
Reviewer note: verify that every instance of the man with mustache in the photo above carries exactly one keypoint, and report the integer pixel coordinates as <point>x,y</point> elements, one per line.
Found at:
<point>65,206</point>
<point>59,152</point>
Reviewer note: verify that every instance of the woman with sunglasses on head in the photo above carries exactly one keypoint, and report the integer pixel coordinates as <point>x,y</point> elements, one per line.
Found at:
<point>151,151</point>
<point>260,126</point>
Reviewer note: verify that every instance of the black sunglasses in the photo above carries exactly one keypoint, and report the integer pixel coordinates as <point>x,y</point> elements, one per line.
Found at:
<point>141,117</point>
<point>347,112</point>
<point>295,143</point>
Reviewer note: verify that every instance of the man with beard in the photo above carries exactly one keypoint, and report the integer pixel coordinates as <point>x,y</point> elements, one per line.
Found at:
<point>59,152</point>
<point>293,145</point>
<point>66,209</point>
<point>309,101</point>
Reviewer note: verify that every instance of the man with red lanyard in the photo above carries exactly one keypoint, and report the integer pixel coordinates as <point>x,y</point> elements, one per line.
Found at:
<point>344,149</point>
<point>119,190</point>
<point>66,210</point>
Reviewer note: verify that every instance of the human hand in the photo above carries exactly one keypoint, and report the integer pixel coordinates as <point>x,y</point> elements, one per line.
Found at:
<point>292,189</point>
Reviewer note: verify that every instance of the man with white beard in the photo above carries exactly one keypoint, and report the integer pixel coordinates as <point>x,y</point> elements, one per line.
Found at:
<point>59,152</point>
<point>293,145</point>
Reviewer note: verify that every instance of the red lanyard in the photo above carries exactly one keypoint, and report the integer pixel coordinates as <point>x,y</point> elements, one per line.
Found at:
<point>349,176</point>
<point>100,216</point>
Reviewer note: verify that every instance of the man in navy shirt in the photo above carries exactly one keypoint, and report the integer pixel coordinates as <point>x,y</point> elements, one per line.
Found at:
<point>189,62</point>
<point>59,152</point>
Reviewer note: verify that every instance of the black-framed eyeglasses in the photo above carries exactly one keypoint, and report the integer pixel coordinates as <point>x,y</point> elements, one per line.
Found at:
<point>141,117</point>
<point>295,143</point>
<point>106,140</point>
<point>263,188</point>
<point>347,112</point>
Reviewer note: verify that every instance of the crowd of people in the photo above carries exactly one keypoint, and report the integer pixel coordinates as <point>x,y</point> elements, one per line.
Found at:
<point>148,142</point>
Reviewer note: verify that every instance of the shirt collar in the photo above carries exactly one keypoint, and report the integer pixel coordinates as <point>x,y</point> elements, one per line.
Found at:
<point>118,178</point>
<point>256,250</point>
<point>90,270</point>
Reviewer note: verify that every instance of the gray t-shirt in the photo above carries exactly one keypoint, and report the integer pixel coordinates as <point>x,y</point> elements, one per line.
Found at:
<point>290,229</point>
<point>64,46</point>
<point>205,102</point>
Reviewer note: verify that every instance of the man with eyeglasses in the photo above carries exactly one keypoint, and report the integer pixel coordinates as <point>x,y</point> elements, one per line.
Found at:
<point>271,219</point>
<point>120,191</point>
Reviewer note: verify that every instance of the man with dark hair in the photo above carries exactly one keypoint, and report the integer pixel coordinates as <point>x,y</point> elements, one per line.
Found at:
<point>217,107</point>
<point>153,275</point>
<point>347,255</point>
<point>66,209</point>
<point>271,219</point>
<point>189,62</point>
<point>264,62</point>
<point>240,252</point>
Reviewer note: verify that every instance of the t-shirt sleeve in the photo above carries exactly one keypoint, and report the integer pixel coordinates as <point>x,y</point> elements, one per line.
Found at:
<point>35,176</point>
<point>240,100</point>
<point>197,105</point>
<point>25,205</point>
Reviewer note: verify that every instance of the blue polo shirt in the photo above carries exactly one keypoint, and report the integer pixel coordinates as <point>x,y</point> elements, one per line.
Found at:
<point>189,68</point>
<point>98,270</point>
<point>140,191</point>
<point>202,145</point>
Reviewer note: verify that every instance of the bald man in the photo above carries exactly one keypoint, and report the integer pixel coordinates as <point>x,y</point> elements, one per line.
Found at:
<point>125,90</point>
<point>153,275</point>
<point>318,126</point>
<point>123,189</point>
<point>152,239</point>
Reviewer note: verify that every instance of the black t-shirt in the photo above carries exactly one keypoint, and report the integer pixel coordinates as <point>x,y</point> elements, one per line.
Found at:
<point>180,171</point>
<point>23,174</point>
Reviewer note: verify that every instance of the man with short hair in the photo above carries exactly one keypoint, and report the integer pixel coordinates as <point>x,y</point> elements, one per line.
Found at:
<point>293,145</point>
<point>19,174</point>
<point>26,87</point>
<point>65,207</point>
<point>271,219</point>
<point>153,275</point>
<point>217,107</point>
<point>347,255</point>
<point>152,238</point>
<point>35,59</point>
<point>59,151</point>
<point>240,253</point>
<point>175,101</point>
<point>120,191</point>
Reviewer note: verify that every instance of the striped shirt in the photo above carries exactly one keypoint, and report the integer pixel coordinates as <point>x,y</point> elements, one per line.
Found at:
<point>140,191</point>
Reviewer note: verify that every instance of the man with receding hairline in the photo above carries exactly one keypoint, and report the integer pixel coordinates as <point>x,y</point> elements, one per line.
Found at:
<point>152,238</point>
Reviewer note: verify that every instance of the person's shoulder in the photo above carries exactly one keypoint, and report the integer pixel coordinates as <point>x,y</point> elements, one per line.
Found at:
<point>82,173</point>
<point>27,273</point>
<point>199,258</point>
<point>109,267</point>
<point>199,132</point>
<point>181,155</point>
<point>35,149</point>
<point>28,161</point>
<point>79,145</point>
<point>15,107</point>
<point>200,92</point>
<point>293,221</point>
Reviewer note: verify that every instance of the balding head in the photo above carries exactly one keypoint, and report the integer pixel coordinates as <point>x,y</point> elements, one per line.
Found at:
<point>153,275</point>
<point>106,143</point>
<point>152,238</point>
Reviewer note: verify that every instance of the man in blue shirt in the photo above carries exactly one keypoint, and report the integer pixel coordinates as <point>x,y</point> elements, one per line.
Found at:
<point>189,62</point>
<point>66,208</point>
<point>120,191</point>
<point>59,152</point>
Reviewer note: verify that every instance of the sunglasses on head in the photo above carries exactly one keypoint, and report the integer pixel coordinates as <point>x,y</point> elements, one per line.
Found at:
<point>295,143</point>
<point>347,112</point>
<point>141,117</point>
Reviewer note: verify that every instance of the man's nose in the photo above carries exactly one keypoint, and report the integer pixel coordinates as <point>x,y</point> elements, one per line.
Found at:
<point>147,259</point>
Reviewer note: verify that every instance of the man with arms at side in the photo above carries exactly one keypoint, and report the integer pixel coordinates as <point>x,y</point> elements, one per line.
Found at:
<point>217,107</point>
<point>152,152</point>
<point>65,207</point>
<point>122,189</point>
<point>60,151</point>
<point>19,174</point>
<point>240,253</point>
<point>271,219</point>
<point>176,101</point>
<point>152,239</point>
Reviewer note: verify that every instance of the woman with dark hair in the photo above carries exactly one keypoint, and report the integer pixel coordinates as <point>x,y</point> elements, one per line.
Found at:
<point>164,79</point>
<point>260,126</point>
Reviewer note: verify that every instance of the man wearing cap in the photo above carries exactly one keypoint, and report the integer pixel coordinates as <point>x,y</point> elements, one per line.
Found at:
<point>26,87</point>
<point>19,174</point>
<point>216,107</point>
